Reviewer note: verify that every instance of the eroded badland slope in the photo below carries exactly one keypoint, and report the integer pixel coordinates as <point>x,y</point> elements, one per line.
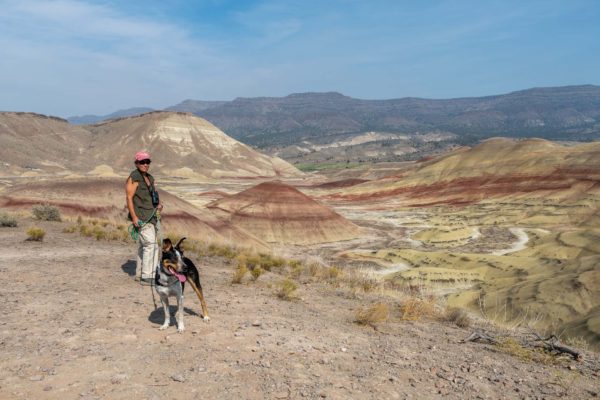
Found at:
<point>508,228</point>
<point>76,325</point>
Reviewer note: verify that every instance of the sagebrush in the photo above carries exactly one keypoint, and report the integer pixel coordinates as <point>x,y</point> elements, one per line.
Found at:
<point>377,313</point>
<point>46,212</point>
<point>7,220</point>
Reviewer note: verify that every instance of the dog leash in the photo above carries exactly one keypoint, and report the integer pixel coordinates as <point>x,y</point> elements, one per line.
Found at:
<point>134,231</point>
<point>159,239</point>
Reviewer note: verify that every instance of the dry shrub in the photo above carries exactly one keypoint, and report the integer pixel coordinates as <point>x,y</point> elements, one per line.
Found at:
<point>70,229</point>
<point>287,289</point>
<point>99,233</point>
<point>514,348</point>
<point>268,262</point>
<point>459,317</point>
<point>99,229</point>
<point>46,212</point>
<point>296,270</point>
<point>314,269</point>
<point>361,282</point>
<point>36,234</point>
<point>578,342</point>
<point>239,273</point>
<point>378,312</point>
<point>7,220</point>
<point>415,308</point>
<point>219,250</point>
<point>256,272</point>
<point>333,272</point>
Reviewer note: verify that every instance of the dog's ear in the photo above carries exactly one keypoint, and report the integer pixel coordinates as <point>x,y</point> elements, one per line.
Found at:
<point>167,245</point>
<point>177,246</point>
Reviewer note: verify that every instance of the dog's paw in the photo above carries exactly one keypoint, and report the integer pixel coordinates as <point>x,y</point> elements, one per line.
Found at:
<point>163,327</point>
<point>180,329</point>
<point>205,318</point>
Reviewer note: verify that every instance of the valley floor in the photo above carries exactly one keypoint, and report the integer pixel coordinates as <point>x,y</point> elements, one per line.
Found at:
<point>76,325</point>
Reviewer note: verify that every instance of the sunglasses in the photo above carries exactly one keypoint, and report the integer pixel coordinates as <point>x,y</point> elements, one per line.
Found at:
<point>144,162</point>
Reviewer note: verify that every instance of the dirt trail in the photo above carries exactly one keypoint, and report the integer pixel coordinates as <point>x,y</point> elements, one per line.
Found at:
<point>76,325</point>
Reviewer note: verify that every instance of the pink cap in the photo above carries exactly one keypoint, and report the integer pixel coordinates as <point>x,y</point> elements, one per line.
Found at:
<point>142,155</point>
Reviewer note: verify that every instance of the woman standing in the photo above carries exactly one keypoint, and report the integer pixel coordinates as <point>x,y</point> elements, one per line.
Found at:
<point>143,204</point>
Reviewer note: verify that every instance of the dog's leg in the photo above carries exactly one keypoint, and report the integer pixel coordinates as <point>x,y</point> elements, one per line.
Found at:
<point>200,295</point>
<point>165,303</point>
<point>179,316</point>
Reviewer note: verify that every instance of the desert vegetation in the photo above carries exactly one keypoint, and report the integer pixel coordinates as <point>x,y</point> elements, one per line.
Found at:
<point>406,297</point>
<point>46,212</point>
<point>36,234</point>
<point>7,220</point>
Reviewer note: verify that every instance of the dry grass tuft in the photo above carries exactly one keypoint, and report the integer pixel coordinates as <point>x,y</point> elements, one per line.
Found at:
<point>239,273</point>
<point>99,229</point>
<point>256,272</point>
<point>514,348</point>
<point>287,289</point>
<point>377,313</point>
<point>415,308</point>
<point>35,234</point>
<point>459,317</point>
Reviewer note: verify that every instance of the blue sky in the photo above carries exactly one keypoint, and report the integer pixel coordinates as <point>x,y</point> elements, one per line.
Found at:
<point>94,57</point>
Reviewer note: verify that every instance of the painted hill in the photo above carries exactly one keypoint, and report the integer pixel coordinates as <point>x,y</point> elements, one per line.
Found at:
<point>496,168</point>
<point>276,212</point>
<point>182,145</point>
<point>544,195</point>
<point>105,198</point>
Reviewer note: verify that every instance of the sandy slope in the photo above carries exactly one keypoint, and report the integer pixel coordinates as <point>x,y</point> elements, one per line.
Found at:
<point>76,325</point>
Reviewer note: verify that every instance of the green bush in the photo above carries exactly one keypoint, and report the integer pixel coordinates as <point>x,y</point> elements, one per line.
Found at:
<point>46,212</point>
<point>7,220</point>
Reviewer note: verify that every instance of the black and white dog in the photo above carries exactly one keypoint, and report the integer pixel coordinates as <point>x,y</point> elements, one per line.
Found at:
<point>171,275</point>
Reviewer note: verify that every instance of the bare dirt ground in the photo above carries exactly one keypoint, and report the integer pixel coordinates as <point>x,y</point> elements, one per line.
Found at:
<point>76,325</point>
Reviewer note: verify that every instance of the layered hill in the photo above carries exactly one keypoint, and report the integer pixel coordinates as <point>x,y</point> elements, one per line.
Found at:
<point>181,145</point>
<point>32,142</point>
<point>276,212</point>
<point>514,221</point>
<point>105,198</point>
<point>496,168</point>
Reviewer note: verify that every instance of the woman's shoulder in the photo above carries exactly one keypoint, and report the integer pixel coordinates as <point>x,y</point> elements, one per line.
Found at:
<point>136,176</point>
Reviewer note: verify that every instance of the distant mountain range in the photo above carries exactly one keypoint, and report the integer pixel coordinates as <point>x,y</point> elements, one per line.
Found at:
<point>559,113</point>
<point>94,119</point>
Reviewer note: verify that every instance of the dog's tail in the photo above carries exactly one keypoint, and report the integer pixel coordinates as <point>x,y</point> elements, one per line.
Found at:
<point>179,243</point>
